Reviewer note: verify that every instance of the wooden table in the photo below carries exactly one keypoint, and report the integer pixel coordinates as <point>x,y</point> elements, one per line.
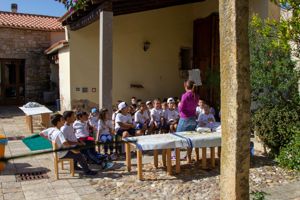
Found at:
<point>164,142</point>
<point>43,111</point>
<point>203,141</point>
<point>168,142</point>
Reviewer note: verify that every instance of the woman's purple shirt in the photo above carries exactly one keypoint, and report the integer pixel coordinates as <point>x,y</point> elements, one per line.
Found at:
<point>188,104</point>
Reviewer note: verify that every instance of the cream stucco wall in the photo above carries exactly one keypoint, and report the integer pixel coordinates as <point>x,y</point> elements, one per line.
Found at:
<point>167,30</point>
<point>64,79</point>
<point>56,36</point>
<point>84,48</point>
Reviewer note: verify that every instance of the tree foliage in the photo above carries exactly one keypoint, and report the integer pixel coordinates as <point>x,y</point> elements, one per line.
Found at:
<point>274,81</point>
<point>274,78</point>
<point>290,155</point>
<point>72,5</point>
<point>290,23</point>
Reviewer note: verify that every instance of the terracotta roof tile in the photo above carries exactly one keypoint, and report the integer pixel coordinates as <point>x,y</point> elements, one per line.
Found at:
<point>30,21</point>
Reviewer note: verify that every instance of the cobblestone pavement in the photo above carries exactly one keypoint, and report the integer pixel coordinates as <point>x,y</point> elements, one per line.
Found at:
<point>191,183</point>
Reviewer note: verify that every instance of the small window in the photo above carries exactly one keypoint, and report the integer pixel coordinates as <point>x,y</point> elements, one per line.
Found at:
<point>185,58</point>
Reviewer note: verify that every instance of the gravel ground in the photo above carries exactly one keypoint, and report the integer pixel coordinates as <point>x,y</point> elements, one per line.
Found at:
<point>191,183</point>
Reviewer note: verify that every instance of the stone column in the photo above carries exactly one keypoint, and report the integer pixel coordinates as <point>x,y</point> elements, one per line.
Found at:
<point>235,99</point>
<point>105,64</point>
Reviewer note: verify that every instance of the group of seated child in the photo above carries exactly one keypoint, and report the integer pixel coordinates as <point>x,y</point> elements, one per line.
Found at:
<point>76,129</point>
<point>141,118</point>
<point>145,117</point>
<point>205,114</point>
<point>72,131</point>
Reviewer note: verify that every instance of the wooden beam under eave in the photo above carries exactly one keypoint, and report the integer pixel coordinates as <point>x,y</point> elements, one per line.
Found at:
<point>121,7</point>
<point>90,17</point>
<point>94,2</point>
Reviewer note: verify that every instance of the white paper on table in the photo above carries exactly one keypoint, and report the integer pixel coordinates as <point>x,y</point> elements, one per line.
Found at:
<point>36,110</point>
<point>194,75</point>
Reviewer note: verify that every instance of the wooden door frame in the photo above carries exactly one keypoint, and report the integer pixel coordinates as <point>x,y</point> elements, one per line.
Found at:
<point>212,63</point>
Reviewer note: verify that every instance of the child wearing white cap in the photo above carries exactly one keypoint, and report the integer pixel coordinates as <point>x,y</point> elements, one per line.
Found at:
<point>93,118</point>
<point>123,123</point>
<point>172,115</point>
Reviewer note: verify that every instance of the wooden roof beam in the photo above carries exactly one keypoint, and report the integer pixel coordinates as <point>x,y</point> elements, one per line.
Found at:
<point>91,16</point>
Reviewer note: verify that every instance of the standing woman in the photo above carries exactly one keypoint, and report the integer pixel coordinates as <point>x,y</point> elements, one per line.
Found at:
<point>187,110</point>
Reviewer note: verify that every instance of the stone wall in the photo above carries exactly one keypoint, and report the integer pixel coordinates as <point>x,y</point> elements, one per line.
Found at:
<point>29,45</point>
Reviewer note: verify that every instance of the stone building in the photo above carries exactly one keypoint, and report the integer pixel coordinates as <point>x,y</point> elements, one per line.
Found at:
<point>24,68</point>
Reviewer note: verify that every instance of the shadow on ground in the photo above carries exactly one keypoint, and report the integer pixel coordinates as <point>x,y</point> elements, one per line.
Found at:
<point>261,161</point>
<point>16,168</point>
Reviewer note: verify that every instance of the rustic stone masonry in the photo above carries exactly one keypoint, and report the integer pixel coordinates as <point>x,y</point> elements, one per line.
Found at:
<point>28,45</point>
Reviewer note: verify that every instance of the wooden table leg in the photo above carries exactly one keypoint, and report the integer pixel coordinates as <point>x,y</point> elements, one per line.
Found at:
<point>189,155</point>
<point>46,120</point>
<point>155,155</point>
<point>139,164</point>
<point>204,158</point>
<point>219,152</point>
<point>177,161</point>
<point>29,124</point>
<point>163,156</point>
<point>169,162</point>
<point>128,157</point>
<point>212,157</point>
<point>197,154</point>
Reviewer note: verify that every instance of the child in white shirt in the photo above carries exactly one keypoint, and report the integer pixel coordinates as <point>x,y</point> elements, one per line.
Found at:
<point>81,126</point>
<point>105,131</point>
<point>172,115</point>
<point>69,133</point>
<point>123,123</point>
<point>55,135</point>
<point>156,115</point>
<point>141,118</point>
<point>200,107</point>
<point>206,119</point>
<point>68,130</point>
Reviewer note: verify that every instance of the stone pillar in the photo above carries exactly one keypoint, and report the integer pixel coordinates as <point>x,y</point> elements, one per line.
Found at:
<point>235,99</point>
<point>105,64</point>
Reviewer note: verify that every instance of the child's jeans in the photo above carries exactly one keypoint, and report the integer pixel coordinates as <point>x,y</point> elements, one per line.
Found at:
<point>90,152</point>
<point>107,139</point>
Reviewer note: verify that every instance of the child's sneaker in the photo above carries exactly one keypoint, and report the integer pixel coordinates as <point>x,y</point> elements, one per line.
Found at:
<point>107,165</point>
<point>90,173</point>
<point>173,158</point>
<point>113,157</point>
<point>102,157</point>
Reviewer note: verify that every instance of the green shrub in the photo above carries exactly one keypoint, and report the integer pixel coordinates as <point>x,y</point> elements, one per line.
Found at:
<point>274,79</point>
<point>258,195</point>
<point>289,156</point>
<point>275,125</point>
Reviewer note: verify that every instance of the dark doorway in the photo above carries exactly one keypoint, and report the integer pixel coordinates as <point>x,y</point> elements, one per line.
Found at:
<point>12,80</point>
<point>207,57</point>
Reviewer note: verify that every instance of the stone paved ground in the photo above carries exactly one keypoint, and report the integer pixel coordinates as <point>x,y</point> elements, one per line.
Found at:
<point>191,183</point>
